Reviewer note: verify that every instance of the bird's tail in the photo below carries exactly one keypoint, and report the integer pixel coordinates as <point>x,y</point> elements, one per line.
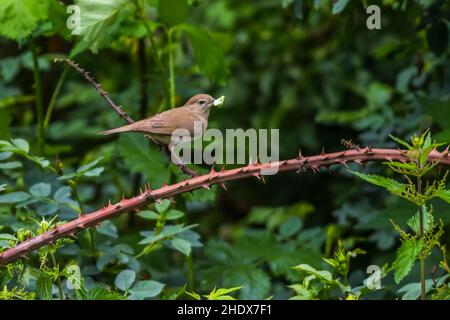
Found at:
<point>116,130</point>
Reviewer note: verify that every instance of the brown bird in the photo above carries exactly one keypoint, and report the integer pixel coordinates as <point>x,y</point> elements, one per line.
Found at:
<point>161,126</point>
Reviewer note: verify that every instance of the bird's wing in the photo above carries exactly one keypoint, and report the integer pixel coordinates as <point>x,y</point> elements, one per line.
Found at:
<point>166,122</point>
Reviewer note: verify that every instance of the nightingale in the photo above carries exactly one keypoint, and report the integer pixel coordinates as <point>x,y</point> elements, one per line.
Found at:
<point>160,126</point>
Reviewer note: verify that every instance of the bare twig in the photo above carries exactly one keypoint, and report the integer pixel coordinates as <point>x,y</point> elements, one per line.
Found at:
<point>313,163</point>
<point>118,109</point>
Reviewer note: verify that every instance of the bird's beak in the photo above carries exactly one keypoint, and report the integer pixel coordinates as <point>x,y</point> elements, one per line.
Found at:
<point>219,101</point>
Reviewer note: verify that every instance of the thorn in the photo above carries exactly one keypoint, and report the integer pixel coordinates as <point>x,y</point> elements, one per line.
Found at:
<point>323,151</point>
<point>123,197</point>
<point>118,206</point>
<point>109,203</point>
<point>222,184</point>
<point>358,161</point>
<point>171,200</point>
<point>343,162</point>
<point>299,156</point>
<point>206,186</point>
<point>315,168</point>
<point>223,169</point>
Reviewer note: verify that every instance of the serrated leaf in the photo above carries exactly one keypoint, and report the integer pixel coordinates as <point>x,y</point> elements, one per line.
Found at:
<point>428,221</point>
<point>406,256</point>
<point>96,18</point>
<point>44,287</point>
<point>389,184</point>
<point>173,12</point>
<point>209,58</point>
<point>139,156</point>
<point>41,189</point>
<point>89,165</point>
<point>125,279</point>
<point>103,294</point>
<point>18,19</point>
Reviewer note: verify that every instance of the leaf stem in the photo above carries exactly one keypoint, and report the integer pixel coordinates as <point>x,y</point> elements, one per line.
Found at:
<point>38,98</point>
<point>52,103</point>
<point>58,277</point>
<point>421,234</point>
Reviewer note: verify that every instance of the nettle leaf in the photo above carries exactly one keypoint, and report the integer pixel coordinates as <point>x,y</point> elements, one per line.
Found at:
<point>389,184</point>
<point>222,293</point>
<point>406,256</point>
<point>14,197</point>
<point>428,220</point>
<point>139,156</point>
<point>166,232</point>
<point>44,287</point>
<point>103,294</point>
<point>125,279</point>
<point>443,195</point>
<point>96,18</point>
<point>208,55</point>
<point>174,214</point>
<point>40,189</point>
<point>173,12</point>
<point>18,19</point>
<point>145,289</point>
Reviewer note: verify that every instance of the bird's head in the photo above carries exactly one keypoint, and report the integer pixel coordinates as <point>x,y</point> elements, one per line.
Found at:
<point>202,100</point>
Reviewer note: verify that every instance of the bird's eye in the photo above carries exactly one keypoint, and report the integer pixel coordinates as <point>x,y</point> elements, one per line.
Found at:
<point>201,102</point>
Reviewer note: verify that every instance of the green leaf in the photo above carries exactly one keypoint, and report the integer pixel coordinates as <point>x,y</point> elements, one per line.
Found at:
<point>10,165</point>
<point>389,184</point>
<point>47,209</point>
<point>428,221</point>
<point>208,55</point>
<point>406,256</point>
<point>44,287</point>
<point>14,197</point>
<point>173,12</point>
<point>222,293</point>
<point>174,214</point>
<point>145,289</point>
<point>148,214</point>
<point>290,227</point>
<point>88,166</point>
<point>162,206</point>
<point>443,195</point>
<point>139,156</point>
<point>125,279</point>
<point>400,141</point>
<point>5,121</point>
<point>21,144</point>
<point>103,294</point>
<point>167,232</point>
<point>62,194</point>
<point>41,189</point>
<point>96,18</point>
<point>5,239</point>
<point>339,5</point>
<point>19,18</point>
<point>182,245</point>
<point>108,228</point>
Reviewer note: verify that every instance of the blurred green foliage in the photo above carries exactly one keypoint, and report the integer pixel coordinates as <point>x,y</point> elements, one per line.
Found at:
<point>310,68</point>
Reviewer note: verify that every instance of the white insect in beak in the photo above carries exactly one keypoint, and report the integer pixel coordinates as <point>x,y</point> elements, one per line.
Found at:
<point>219,101</point>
